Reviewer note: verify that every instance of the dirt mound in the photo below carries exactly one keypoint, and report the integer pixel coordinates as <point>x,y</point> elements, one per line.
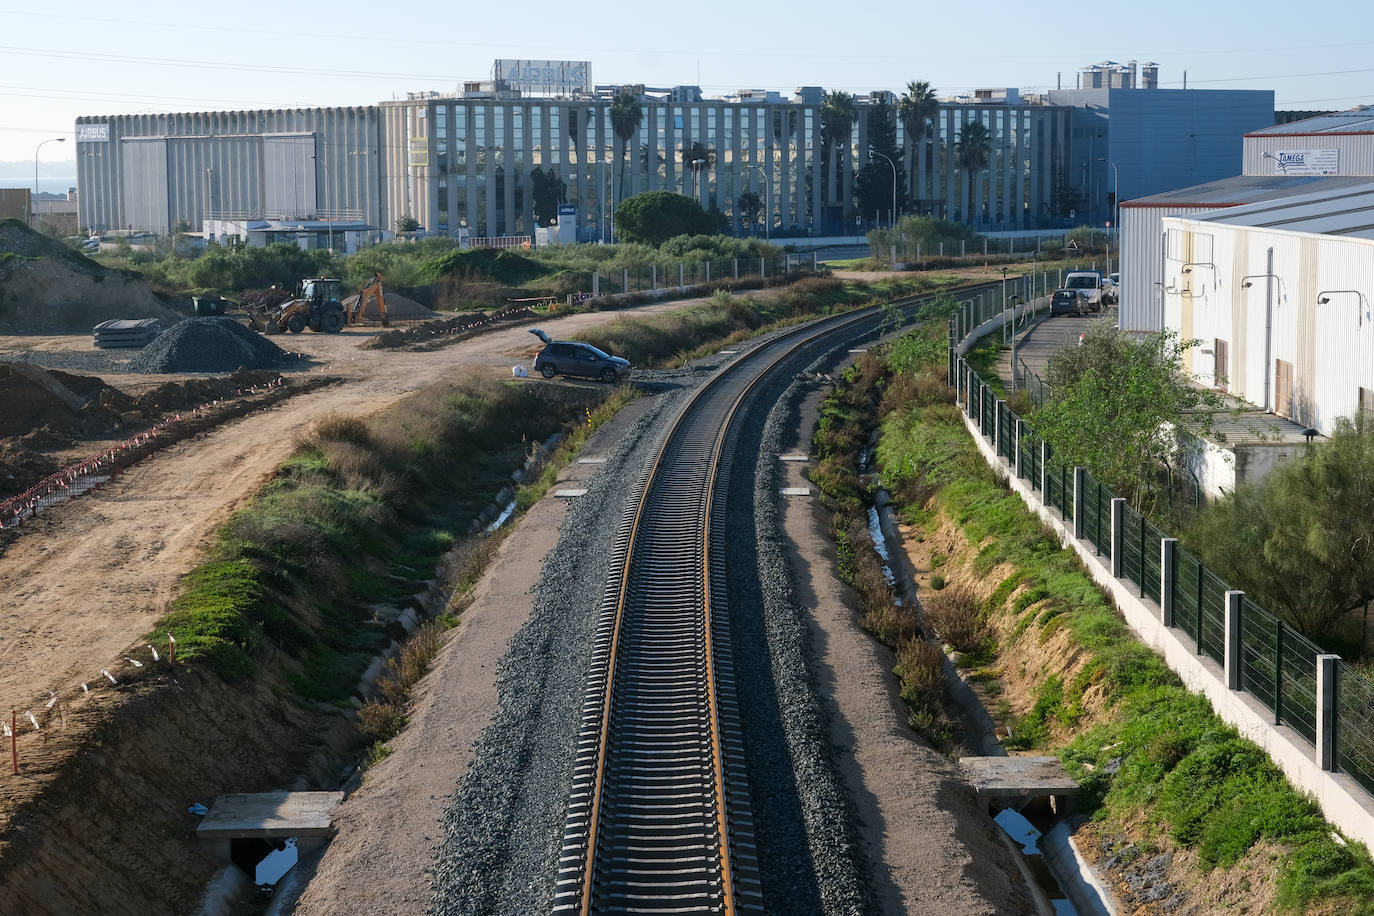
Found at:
<point>46,410</point>
<point>46,287</point>
<point>208,345</point>
<point>452,329</point>
<point>36,398</point>
<point>398,308</point>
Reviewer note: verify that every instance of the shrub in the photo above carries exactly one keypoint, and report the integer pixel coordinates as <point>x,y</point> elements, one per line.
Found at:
<point>955,613</point>
<point>380,721</point>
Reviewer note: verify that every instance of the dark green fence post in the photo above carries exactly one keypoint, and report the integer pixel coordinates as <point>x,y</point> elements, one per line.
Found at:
<point>1142,555</point>
<point>1199,607</point>
<point>1097,520</point>
<point>1278,671</point>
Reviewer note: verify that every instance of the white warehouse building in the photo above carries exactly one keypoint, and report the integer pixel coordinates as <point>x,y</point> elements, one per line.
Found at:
<point>1329,152</point>
<point>1279,294</point>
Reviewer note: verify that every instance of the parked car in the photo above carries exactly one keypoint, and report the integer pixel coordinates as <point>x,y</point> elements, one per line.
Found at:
<point>1111,289</point>
<point>569,357</point>
<point>1067,302</point>
<point>1088,284</point>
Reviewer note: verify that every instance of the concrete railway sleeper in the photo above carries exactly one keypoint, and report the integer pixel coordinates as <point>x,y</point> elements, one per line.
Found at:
<point>659,817</point>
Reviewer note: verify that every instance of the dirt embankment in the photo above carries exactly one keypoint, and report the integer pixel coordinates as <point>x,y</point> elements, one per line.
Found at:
<point>45,287</point>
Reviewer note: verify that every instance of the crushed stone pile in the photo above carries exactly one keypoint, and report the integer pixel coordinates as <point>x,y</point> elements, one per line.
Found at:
<point>212,344</point>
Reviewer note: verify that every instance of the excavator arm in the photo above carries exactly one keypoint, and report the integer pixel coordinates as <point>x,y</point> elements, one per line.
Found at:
<point>373,288</point>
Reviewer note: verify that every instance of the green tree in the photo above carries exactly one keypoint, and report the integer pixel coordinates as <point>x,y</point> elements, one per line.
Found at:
<point>873,185</point>
<point>1116,405</point>
<point>971,149</point>
<point>547,190</point>
<point>750,207</point>
<point>406,223</point>
<point>1301,542</point>
<point>918,108</point>
<point>626,115</point>
<point>837,116</point>
<point>656,216</point>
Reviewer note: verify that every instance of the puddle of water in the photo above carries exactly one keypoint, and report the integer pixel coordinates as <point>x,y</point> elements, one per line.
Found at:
<point>1025,833</point>
<point>501,519</point>
<point>875,531</point>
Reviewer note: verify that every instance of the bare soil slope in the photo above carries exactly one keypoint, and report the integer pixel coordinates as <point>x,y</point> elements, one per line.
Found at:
<point>45,287</point>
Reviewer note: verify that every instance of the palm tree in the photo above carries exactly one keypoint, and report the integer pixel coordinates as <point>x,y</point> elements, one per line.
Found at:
<point>626,115</point>
<point>917,108</point>
<point>971,149</point>
<point>837,123</point>
<point>698,153</point>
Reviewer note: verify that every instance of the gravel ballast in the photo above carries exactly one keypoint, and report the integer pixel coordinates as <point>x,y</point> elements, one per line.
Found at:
<point>504,829</point>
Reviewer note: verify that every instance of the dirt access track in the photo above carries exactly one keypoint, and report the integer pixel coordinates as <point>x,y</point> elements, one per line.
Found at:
<point>92,575</point>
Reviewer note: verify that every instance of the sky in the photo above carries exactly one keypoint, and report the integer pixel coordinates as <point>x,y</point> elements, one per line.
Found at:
<point>60,62</point>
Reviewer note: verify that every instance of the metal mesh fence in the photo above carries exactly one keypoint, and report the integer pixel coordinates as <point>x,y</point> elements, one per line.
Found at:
<point>1150,536</point>
<point>1355,726</point>
<point>1259,654</point>
<point>1213,616</point>
<point>1298,682</point>
<point>1187,589</point>
<point>1029,447</point>
<point>1006,434</point>
<point>1133,554</point>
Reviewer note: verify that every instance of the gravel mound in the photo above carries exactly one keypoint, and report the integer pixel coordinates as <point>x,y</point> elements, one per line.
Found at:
<point>208,345</point>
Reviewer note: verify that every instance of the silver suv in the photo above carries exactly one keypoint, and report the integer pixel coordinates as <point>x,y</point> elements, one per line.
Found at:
<point>568,357</point>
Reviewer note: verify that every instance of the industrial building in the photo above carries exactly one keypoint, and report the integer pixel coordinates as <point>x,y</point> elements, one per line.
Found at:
<point>1279,294</point>
<point>461,163</point>
<point>1332,151</point>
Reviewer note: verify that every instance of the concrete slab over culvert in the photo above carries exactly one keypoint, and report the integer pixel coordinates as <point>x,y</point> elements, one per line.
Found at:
<point>306,816</point>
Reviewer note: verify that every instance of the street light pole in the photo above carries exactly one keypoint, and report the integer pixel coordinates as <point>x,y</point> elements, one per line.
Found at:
<point>696,178</point>
<point>1116,205</point>
<point>33,201</point>
<point>893,212</point>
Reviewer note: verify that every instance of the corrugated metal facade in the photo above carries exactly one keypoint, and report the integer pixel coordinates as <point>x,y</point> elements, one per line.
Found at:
<point>1354,156</point>
<point>154,171</point>
<point>1277,325</point>
<point>1142,298</point>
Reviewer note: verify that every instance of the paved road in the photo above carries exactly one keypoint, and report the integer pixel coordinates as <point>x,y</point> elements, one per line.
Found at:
<point>1035,347</point>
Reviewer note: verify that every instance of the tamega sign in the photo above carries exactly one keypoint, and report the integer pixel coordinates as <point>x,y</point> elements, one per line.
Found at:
<point>1306,161</point>
<point>546,77</point>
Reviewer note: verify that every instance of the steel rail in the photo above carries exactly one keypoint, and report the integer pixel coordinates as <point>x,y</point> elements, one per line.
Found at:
<point>689,881</point>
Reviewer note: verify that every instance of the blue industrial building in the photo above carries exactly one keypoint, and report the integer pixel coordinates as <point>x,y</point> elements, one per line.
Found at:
<point>1130,143</point>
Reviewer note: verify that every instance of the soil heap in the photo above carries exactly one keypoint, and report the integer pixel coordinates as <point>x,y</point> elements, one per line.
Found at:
<point>213,344</point>
<point>47,288</point>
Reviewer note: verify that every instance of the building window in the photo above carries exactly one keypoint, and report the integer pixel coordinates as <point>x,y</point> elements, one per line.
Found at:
<point>1221,365</point>
<point>1366,403</point>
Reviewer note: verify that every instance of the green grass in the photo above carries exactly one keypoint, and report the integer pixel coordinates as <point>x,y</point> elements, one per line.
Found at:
<point>1158,755</point>
<point>361,512</point>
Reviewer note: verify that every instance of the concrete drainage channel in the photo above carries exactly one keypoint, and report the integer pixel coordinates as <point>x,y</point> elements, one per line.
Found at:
<point>1029,795</point>
<point>259,837</point>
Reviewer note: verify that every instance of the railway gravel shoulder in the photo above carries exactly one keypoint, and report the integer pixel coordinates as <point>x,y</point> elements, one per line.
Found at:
<point>504,828</point>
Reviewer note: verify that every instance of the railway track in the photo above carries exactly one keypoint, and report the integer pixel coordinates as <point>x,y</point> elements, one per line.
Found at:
<point>659,816</point>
